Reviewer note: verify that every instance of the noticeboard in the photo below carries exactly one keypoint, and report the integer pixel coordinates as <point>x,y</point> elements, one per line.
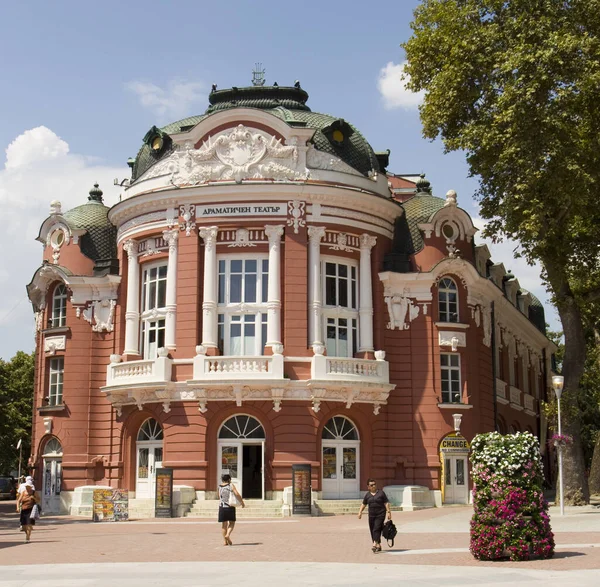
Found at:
<point>301,489</point>
<point>454,443</point>
<point>163,502</point>
<point>110,505</point>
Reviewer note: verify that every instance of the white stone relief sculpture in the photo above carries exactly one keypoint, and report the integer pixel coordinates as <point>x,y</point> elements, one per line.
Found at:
<point>452,339</point>
<point>242,239</point>
<point>54,343</point>
<point>402,311</point>
<point>487,326</point>
<point>234,154</point>
<point>188,215</point>
<point>296,214</point>
<point>341,243</point>
<point>104,311</point>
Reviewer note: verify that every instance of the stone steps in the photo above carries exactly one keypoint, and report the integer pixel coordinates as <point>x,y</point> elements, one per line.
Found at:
<point>141,508</point>
<point>253,509</point>
<point>342,507</point>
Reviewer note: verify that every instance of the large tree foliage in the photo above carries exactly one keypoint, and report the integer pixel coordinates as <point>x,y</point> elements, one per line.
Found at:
<point>516,85</point>
<point>16,398</point>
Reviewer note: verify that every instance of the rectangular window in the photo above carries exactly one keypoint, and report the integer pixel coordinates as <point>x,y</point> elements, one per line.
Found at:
<point>340,285</point>
<point>153,310</point>
<point>59,307</point>
<point>55,387</point>
<point>153,337</point>
<point>154,287</point>
<point>451,385</point>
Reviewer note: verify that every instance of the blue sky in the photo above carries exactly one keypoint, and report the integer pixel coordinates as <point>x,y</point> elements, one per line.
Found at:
<point>98,76</point>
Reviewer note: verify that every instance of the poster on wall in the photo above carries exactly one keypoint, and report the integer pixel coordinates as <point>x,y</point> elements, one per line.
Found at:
<point>301,489</point>
<point>163,501</point>
<point>110,505</point>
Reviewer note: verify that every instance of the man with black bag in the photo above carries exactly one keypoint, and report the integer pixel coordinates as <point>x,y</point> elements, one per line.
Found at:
<point>379,505</point>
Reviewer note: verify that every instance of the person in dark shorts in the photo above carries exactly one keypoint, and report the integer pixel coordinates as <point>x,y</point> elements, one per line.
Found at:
<point>25,502</point>
<point>226,511</point>
<point>379,506</point>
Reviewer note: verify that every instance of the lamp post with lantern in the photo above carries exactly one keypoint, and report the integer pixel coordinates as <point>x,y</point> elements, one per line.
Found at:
<point>558,382</point>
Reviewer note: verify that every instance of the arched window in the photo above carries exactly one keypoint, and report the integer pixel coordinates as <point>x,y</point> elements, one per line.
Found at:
<point>53,448</point>
<point>242,427</point>
<point>448,300</point>
<point>59,307</point>
<point>150,430</point>
<point>501,425</point>
<point>339,428</point>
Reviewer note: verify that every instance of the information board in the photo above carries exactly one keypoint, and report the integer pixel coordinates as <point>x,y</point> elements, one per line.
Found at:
<point>301,489</point>
<point>110,505</point>
<point>163,503</point>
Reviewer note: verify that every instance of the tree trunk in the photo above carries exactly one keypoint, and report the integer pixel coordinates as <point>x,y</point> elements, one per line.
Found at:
<point>594,480</point>
<point>575,484</point>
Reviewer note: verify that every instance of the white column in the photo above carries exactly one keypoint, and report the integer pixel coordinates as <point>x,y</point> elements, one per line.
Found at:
<point>209,299</point>
<point>365,310</point>
<point>315,292</point>
<point>132,311</point>
<point>170,237</point>
<point>274,234</point>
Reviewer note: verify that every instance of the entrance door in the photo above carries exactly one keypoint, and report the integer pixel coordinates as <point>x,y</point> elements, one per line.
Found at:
<point>52,477</point>
<point>241,454</point>
<point>455,479</point>
<point>340,459</point>
<point>149,457</point>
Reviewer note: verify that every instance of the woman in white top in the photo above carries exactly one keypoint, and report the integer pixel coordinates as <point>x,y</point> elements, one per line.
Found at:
<point>226,510</point>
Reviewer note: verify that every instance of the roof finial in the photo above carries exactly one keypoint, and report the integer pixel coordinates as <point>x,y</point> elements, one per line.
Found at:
<point>423,186</point>
<point>258,75</point>
<point>95,194</point>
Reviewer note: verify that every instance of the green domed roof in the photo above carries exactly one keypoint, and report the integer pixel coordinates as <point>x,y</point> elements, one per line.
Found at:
<point>288,104</point>
<point>99,242</point>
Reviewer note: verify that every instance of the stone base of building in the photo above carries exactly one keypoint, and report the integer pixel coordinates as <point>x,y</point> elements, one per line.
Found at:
<point>413,497</point>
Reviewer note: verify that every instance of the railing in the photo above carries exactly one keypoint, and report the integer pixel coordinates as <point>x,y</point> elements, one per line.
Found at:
<point>529,402</point>
<point>228,367</point>
<point>515,398</point>
<point>342,369</point>
<point>133,372</point>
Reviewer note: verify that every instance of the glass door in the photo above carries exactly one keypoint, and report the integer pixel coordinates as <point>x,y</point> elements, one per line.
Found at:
<point>51,486</point>
<point>455,480</point>
<point>149,458</point>
<point>340,470</point>
<point>230,462</point>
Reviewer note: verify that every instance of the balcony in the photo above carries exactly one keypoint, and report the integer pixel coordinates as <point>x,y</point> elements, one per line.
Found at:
<point>136,373</point>
<point>351,370</point>
<point>530,404</point>
<point>515,398</point>
<point>227,368</point>
<point>501,392</point>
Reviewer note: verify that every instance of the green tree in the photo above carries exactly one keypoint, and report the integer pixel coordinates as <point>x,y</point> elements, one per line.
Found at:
<point>516,85</point>
<point>16,398</point>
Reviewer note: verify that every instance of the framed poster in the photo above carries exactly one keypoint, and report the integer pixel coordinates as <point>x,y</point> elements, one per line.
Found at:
<point>301,489</point>
<point>163,501</point>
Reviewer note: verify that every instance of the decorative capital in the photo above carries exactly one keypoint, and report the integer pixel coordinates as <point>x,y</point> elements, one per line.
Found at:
<point>171,237</point>
<point>274,233</point>
<point>367,241</point>
<point>131,248</point>
<point>209,235</point>
<point>315,234</point>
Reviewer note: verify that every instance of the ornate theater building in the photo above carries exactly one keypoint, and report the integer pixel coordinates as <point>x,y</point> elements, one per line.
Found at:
<point>266,294</point>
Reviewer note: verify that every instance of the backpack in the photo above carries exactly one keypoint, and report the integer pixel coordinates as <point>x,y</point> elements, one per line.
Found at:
<point>389,532</point>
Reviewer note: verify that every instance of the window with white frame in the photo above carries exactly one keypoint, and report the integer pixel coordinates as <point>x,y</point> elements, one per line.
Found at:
<point>59,307</point>
<point>153,310</point>
<point>242,305</point>
<point>447,300</point>
<point>55,381</point>
<point>451,387</point>
<point>340,308</point>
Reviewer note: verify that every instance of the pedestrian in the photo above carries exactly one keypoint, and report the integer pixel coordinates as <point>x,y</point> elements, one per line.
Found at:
<point>227,511</point>
<point>379,505</point>
<point>25,502</point>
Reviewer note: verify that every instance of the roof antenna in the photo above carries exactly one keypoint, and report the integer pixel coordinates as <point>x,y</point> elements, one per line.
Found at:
<point>258,75</point>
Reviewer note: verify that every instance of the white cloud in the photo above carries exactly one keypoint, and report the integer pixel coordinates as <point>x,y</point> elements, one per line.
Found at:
<point>527,275</point>
<point>38,169</point>
<point>175,101</point>
<point>393,90</point>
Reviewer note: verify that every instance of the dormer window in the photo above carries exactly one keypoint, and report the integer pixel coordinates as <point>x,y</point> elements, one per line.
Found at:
<point>59,307</point>
<point>448,300</point>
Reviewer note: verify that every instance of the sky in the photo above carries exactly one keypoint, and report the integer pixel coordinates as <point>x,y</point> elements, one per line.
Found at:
<point>81,84</point>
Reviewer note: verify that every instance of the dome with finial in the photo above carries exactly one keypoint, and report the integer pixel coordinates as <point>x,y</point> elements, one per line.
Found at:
<point>285,102</point>
<point>99,241</point>
<point>423,185</point>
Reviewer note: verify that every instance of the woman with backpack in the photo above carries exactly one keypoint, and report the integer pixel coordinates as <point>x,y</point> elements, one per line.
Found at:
<point>229,497</point>
<point>379,505</point>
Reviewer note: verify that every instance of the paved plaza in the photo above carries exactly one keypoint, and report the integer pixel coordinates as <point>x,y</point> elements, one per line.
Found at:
<point>431,549</point>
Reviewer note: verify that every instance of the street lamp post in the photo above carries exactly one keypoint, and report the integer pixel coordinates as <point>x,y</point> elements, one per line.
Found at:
<point>558,382</point>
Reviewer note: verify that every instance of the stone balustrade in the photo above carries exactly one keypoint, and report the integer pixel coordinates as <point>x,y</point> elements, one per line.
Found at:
<point>138,372</point>
<point>515,398</point>
<point>325,368</point>
<point>234,368</point>
<point>530,404</point>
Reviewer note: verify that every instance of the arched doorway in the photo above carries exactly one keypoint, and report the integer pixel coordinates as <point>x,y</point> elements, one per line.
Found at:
<point>454,458</point>
<point>241,454</point>
<point>340,459</point>
<point>149,448</point>
<point>52,480</point>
